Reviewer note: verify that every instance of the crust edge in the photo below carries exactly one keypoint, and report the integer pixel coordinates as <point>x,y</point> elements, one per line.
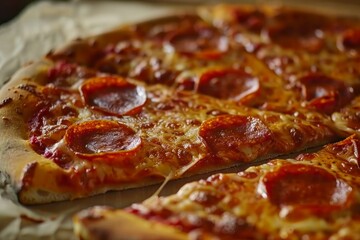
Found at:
<point>102,223</point>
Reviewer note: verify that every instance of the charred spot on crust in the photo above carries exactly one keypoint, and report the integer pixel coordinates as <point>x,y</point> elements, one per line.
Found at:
<point>5,102</point>
<point>30,89</point>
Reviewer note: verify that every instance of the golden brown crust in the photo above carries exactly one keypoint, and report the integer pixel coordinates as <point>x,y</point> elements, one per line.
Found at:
<point>17,157</point>
<point>27,169</point>
<point>120,225</point>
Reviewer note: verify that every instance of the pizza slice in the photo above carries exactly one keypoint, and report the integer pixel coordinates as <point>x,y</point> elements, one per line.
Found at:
<point>87,132</point>
<point>313,196</point>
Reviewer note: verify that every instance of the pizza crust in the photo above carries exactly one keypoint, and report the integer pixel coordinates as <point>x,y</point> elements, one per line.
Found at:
<point>17,157</point>
<point>120,225</point>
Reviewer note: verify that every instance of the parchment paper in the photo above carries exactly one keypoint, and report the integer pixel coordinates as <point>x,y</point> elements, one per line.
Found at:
<point>40,28</point>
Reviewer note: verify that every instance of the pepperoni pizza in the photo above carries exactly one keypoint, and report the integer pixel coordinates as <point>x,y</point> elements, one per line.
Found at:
<point>314,196</point>
<point>87,132</point>
<point>178,96</point>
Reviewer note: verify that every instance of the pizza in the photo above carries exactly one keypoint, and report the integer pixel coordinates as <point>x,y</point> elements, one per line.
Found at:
<point>84,142</point>
<point>313,196</point>
<point>178,96</point>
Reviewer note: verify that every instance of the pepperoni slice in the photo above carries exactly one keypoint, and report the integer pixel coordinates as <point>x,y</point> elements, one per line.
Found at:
<point>236,138</point>
<point>159,29</point>
<point>232,84</point>
<point>116,58</point>
<point>113,95</point>
<point>324,93</point>
<point>306,188</point>
<point>252,20</point>
<point>101,138</point>
<point>351,39</point>
<point>200,41</point>
<point>297,30</point>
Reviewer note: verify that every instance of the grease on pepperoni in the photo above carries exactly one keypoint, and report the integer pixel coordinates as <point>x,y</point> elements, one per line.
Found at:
<point>231,84</point>
<point>102,138</point>
<point>325,93</point>
<point>158,29</point>
<point>236,138</point>
<point>199,40</point>
<point>113,95</point>
<point>350,39</point>
<point>306,188</point>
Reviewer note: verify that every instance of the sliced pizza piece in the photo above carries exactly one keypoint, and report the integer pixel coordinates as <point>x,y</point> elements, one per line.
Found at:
<point>314,196</point>
<point>87,133</point>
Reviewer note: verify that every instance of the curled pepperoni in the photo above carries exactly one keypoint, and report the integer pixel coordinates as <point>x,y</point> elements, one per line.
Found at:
<point>350,39</point>
<point>236,138</point>
<point>101,138</point>
<point>306,188</point>
<point>324,93</point>
<point>232,84</point>
<point>200,41</point>
<point>113,95</point>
